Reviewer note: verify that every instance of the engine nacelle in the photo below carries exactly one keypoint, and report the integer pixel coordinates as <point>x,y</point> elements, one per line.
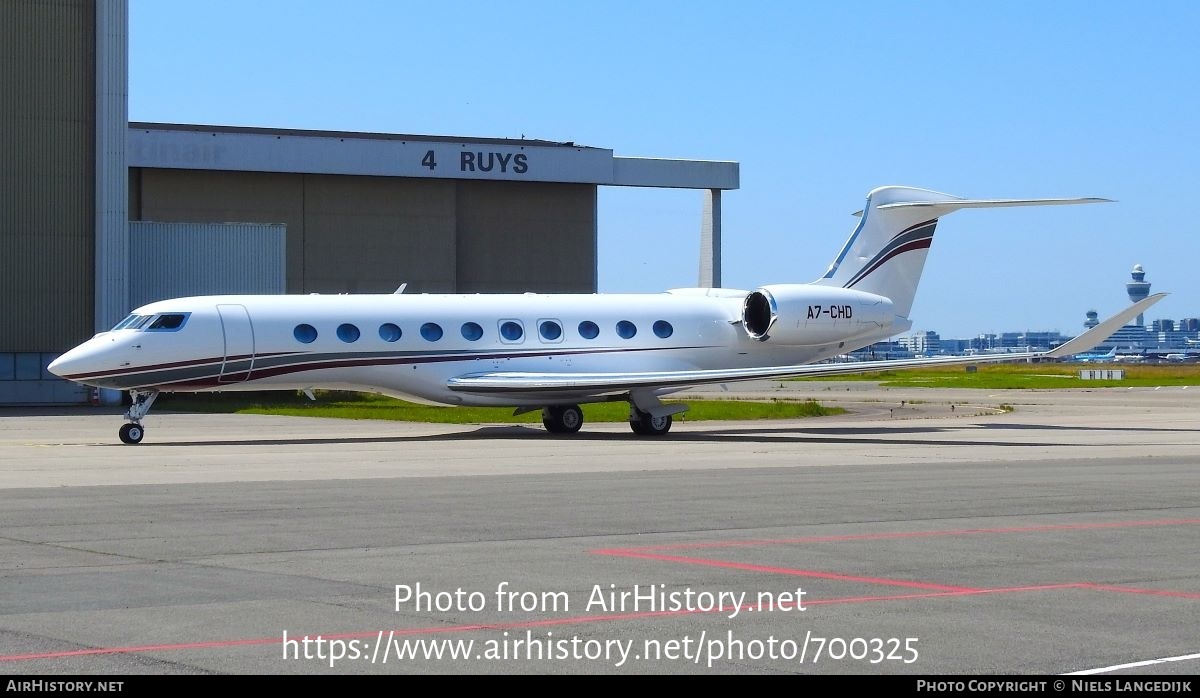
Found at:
<point>807,315</point>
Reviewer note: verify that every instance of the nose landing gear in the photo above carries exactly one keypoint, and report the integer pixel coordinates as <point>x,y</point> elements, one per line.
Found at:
<point>133,432</point>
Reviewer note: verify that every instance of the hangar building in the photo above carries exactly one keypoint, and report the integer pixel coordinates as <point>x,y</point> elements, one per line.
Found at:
<point>99,215</point>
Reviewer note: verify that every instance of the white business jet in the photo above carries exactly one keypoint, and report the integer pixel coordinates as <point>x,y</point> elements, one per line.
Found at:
<point>547,352</point>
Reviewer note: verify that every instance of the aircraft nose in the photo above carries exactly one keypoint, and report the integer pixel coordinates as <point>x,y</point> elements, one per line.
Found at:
<point>80,360</point>
<point>65,365</point>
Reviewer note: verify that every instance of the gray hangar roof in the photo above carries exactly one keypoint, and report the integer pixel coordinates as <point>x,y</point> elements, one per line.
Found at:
<point>199,147</point>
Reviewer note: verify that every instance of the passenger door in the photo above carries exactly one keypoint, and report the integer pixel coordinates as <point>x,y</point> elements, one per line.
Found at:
<point>239,343</point>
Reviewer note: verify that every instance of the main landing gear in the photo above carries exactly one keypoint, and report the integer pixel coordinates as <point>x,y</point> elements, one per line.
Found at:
<point>646,424</point>
<point>133,432</point>
<point>567,419</point>
<point>562,419</point>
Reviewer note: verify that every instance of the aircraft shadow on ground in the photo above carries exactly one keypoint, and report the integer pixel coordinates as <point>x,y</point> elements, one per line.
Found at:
<point>764,435</point>
<point>1061,427</point>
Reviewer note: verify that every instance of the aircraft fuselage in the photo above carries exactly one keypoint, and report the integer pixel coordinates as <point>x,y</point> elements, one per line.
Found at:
<point>409,346</point>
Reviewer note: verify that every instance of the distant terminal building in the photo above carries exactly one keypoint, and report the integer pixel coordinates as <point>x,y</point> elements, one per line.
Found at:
<point>984,342</point>
<point>955,346</point>
<point>881,351</point>
<point>922,343</point>
<point>99,215</point>
<point>1130,339</point>
<point>1031,341</point>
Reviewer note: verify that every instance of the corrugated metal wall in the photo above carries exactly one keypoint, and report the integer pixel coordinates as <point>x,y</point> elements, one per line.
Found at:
<point>111,268</point>
<point>514,237</point>
<point>47,191</point>
<point>370,234</point>
<point>171,260</point>
<point>354,234</point>
<point>202,196</point>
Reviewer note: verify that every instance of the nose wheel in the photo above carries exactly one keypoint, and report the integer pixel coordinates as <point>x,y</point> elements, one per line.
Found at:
<point>133,432</point>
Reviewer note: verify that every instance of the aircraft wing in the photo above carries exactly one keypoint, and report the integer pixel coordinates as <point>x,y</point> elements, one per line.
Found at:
<point>527,383</point>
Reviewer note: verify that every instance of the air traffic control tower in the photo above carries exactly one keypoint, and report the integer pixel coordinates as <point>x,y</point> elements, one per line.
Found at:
<point>1138,289</point>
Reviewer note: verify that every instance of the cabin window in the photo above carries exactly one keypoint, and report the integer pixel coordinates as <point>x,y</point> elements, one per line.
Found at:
<point>550,330</point>
<point>471,331</point>
<point>390,332</point>
<point>511,331</point>
<point>431,331</point>
<point>168,322</point>
<point>589,329</point>
<point>306,334</point>
<point>663,329</point>
<point>626,329</point>
<point>348,333</point>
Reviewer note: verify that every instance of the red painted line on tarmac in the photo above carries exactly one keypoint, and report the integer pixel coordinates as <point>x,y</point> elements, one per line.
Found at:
<point>939,594</point>
<point>814,574</point>
<point>1139,590</point>
<point>647,553</point>
<point>905,534</point>
<point>134,649</point>
<point>1035,587</point>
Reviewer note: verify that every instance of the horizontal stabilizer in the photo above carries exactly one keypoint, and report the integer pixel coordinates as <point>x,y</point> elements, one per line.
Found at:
<point>950,205</point>
<point>993,203</point>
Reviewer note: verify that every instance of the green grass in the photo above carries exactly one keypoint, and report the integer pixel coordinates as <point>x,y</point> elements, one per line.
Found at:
<point>1042,376</point>
<point>364,406</point>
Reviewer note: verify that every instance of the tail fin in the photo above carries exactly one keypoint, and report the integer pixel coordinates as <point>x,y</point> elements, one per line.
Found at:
<point>886,252</point>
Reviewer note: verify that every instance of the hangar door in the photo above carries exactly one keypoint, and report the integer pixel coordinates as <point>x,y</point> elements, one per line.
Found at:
<point>173,260</point>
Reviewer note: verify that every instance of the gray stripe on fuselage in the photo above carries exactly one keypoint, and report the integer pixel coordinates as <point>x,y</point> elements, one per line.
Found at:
<point>315,361</point>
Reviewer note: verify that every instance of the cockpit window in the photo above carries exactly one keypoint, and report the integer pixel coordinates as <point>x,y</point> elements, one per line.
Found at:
<point>168,322</point>
<point>122,324</point>
<point>132,322</point>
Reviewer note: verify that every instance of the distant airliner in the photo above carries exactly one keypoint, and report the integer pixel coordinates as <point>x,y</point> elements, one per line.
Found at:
<point>1134,358</point>
<point>1111,357</point>
<point>1096,357</point>
<point>548,352</point>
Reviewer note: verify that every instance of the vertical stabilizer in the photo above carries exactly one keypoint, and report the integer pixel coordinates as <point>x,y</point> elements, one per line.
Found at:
<point>886,253</point>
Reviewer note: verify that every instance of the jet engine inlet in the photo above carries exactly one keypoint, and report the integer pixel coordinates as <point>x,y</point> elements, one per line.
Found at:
<point>758,314</point>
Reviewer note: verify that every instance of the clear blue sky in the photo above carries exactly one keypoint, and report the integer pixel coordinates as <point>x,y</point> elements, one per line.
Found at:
<point>819,102</point>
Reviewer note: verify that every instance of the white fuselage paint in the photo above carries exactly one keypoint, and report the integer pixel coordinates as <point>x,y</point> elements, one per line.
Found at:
<point>249,342</point>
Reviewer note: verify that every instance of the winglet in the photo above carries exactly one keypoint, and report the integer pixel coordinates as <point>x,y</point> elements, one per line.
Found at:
<point>1104,330</point>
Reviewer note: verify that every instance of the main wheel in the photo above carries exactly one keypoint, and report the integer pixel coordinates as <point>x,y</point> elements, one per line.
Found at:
<point>562,419</point>
<point>131,433</point>
<point>647,425</point>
